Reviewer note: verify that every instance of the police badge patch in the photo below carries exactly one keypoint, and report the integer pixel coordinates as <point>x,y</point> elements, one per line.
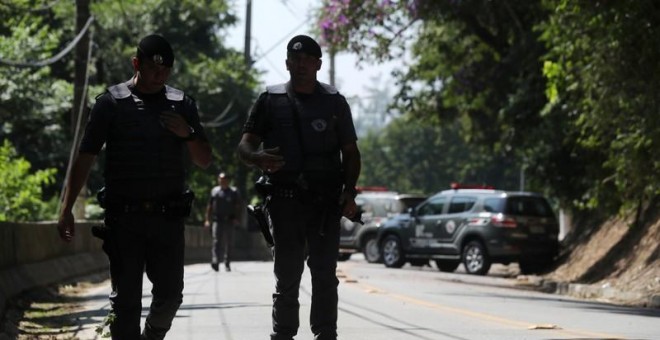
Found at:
<point>297,46</point>
<point>450,226</point>
<point>158,59</point>
<point>319,125</point>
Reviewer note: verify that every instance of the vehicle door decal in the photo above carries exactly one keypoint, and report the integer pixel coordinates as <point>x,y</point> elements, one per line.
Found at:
<point>450,226</point>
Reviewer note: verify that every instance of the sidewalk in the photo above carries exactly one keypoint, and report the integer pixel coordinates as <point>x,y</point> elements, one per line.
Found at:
<point>226,305</point>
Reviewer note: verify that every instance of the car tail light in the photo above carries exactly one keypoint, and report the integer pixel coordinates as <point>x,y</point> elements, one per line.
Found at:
<point>478,221</point>
<point>503,221</point>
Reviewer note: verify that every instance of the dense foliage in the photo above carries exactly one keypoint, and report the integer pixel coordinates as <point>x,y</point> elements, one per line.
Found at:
<point>563,90</point>
<point>36,106</point>
<point>20,190</point>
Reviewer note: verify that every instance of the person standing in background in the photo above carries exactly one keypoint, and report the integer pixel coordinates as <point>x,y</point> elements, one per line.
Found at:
<point>223,213</point>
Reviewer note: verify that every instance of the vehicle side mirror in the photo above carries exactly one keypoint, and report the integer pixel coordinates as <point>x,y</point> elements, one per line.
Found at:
<point>412,211</point>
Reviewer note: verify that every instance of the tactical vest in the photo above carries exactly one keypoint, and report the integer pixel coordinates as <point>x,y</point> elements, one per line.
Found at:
<point>138,146</point>
<point>316,128</point>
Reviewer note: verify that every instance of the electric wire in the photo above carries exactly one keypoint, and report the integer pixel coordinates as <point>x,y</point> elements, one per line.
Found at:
<point>77,133</point>
<point>55,58</point>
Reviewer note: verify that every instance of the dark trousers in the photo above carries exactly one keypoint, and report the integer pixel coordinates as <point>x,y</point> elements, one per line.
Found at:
<point>223,236</point>
<point>139,243</point>
<point>304,230</point>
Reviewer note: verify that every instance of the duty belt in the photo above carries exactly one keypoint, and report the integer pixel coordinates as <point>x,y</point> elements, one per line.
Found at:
<point>284,192</point>
<point>171,206</point>
<point>146,207</point>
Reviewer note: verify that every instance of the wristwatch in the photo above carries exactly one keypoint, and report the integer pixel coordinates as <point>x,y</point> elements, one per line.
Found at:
<point>350,190</point>
<point>192,135</point>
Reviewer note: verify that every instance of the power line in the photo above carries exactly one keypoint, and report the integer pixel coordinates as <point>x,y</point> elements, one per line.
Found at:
<point>279,42</point>
<point>54,59</point>
<point>77,132</point>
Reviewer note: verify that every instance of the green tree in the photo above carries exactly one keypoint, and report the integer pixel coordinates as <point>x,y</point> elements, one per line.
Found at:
<point>410,155</point>
<point>475,68</point>
<point>35,111</point>
<point>21,191</point>
<point>33,101</point>
<point>601,72</point>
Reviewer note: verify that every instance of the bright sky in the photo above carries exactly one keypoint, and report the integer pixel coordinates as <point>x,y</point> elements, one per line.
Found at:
<point>274,22</point>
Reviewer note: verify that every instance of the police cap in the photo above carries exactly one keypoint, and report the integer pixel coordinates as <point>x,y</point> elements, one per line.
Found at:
<point>304,44</point>
<point>155,48</point>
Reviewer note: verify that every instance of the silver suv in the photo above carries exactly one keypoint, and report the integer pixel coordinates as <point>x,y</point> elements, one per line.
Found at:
<point>376,205</point>
<point>476,227</point>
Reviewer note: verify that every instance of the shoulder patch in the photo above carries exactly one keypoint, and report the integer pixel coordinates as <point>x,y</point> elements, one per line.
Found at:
<point>119,91</point>
<point>328,89</point>
<point>173,94</point>
<point>276,89</point>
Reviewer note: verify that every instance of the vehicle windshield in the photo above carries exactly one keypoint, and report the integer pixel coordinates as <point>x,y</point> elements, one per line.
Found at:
<point>385,206</point>
<point>410,202</point>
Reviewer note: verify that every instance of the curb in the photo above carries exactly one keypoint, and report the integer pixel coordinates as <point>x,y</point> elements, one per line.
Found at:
<point>600,292</point>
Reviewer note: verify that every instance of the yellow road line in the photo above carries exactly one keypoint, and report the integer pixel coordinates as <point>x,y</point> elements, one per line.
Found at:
<point>473,314</point>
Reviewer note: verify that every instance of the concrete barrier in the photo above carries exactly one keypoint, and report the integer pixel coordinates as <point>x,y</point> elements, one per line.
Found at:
<point>32,254</point>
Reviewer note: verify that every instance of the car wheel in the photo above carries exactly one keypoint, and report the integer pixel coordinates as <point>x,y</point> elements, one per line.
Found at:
<point>393,256</point>
<point>447,266</point>
<point>371,250</point>
<point>343,257</point>
<point>475,258</point>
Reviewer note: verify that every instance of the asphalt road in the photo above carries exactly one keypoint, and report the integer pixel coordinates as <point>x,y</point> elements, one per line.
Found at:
<point>377,303</point>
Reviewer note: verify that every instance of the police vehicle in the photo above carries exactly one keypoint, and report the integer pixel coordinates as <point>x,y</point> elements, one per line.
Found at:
<point>376,205</point>
<point>475,226</point>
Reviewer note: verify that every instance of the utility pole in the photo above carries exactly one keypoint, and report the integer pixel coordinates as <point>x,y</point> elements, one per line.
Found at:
<point>241,178</point>
<point>333,53</point>
<point>79,100</point>
<point>248,34</point>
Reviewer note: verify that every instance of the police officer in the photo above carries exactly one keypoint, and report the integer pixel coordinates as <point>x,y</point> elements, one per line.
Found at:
<point>146,127</point>
<point>301,135</point>
<point>222,212</point>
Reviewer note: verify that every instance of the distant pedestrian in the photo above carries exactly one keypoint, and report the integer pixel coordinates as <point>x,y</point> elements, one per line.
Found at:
<point>146,127</point>
<point>223,213</point>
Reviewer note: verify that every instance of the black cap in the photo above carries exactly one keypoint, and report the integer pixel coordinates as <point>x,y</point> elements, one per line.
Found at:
<point>304,44</point>
<point>155,48</point>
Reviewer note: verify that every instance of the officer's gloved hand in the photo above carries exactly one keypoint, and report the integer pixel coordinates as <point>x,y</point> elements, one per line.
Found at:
<point>176,124</point>
<point>268,160</point>
<point>347,201</point>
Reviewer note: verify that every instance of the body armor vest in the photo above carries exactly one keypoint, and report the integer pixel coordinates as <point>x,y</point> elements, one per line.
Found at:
<point>138,146</point>
<point>316,129</point>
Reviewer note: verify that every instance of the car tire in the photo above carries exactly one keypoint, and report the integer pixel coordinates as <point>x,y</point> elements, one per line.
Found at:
<point>447,266</point>
<point>343,257</point>
<point>475,258</point>
<point>392,252</point>
<point>371,250</point>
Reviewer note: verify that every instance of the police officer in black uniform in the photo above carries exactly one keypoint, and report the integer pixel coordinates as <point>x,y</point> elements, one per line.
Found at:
<point>301,135</point>
<point>146,127</point>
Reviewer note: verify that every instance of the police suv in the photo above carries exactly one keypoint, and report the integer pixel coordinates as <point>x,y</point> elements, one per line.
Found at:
<point>476,227</point>
<point>376,204</point>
